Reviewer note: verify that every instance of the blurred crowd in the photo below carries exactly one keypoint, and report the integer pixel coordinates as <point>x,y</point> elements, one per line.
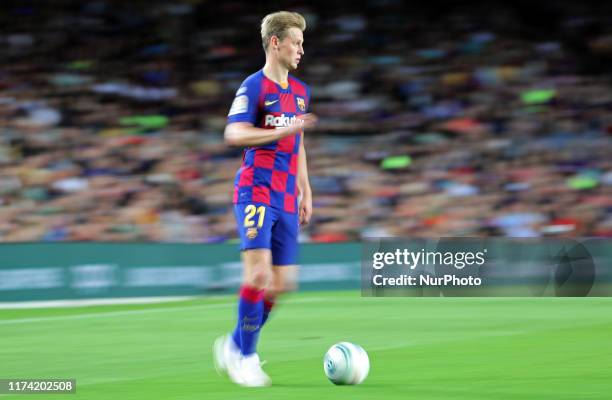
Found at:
<point>461,122</point>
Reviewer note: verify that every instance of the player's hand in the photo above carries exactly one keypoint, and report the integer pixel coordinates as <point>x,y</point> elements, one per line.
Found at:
<point>307,121</point>
<point>305,210</point>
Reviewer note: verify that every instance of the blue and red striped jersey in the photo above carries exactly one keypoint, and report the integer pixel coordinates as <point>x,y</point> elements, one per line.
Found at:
<point>268,173</point>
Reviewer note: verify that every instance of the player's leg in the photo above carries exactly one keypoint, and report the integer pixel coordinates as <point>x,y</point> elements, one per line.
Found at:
<point>255,223</point>
<point>257,274</point>
<point>239,356</point>
<point>284,257</point>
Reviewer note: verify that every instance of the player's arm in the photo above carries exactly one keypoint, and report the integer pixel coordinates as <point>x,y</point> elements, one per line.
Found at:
<point>245,134</point>
<point>305,206</point>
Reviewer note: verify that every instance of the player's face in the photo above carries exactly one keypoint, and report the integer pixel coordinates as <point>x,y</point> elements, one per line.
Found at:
<point>291,48</point>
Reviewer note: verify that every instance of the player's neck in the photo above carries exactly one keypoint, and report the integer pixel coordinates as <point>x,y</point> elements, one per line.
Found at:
<point>276,72</point>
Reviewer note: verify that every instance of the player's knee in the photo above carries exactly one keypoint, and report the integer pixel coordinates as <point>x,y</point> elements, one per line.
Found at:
<point>258,278</point>
<point>258,268</point>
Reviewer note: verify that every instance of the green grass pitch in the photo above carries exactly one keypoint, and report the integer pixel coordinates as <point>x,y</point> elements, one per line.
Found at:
<point>420,348</point>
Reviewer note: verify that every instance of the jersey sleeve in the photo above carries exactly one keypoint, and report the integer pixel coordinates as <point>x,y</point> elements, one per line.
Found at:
<point>245,105</point>
<point>308,98</point>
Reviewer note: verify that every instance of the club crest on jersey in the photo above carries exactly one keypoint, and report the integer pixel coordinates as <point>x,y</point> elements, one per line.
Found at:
<point>301,104</point>
<point>251,233</point>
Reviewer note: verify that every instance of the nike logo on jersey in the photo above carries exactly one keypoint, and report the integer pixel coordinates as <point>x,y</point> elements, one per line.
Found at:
<point>269,103</point>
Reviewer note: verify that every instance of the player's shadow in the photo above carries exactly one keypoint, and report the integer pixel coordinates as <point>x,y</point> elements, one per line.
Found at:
<point>300,385</point>
<point>363,386</point>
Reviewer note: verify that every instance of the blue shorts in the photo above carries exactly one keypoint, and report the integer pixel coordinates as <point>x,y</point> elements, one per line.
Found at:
<point>263,227</point>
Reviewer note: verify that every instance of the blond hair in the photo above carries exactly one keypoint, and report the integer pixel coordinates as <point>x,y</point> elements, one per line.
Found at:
<point>278,23</point>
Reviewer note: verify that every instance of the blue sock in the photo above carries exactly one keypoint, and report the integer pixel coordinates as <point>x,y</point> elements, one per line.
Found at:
<point>267,308</point>
<point>250,314</point>
<point>268,304</point>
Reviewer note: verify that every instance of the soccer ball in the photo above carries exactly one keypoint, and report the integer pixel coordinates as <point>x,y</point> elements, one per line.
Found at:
<point>346,364</point>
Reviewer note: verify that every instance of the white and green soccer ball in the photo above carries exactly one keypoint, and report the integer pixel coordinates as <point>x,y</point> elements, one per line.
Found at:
<point>346,364</point>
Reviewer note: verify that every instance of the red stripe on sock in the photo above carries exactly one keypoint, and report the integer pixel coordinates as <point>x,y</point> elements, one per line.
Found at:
<point>251,294</point>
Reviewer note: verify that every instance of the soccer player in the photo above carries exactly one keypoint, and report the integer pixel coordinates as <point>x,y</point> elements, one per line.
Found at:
<point>272,195</point>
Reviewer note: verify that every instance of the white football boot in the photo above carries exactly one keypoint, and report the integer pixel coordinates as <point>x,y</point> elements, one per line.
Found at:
<point>227,358</point>
<point>251,373</point>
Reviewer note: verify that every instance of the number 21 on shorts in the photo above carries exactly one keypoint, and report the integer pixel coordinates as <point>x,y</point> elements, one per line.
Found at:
<point>250,212</point>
